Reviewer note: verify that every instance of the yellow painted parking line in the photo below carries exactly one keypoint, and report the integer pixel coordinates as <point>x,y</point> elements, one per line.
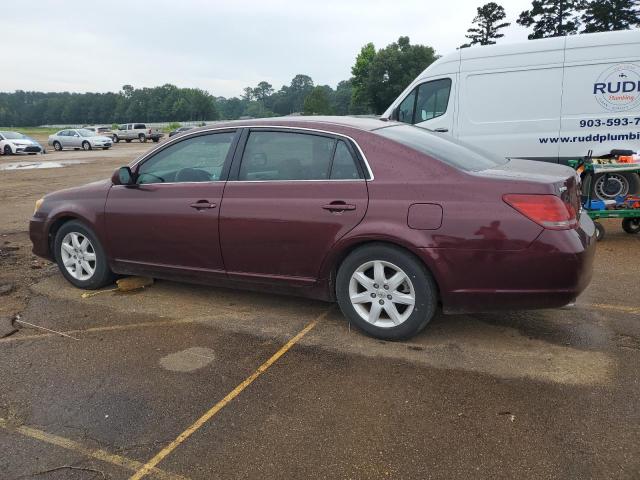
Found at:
<point>98,454</point>
<point>108,328</point>
<point>151,464</point>
<point>617,308</point>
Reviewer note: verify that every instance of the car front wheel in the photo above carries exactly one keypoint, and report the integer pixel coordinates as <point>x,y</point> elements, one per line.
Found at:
<point>7,150</point>
<point>80,256</point>
<point>386,292</point>
<point>86,145</point>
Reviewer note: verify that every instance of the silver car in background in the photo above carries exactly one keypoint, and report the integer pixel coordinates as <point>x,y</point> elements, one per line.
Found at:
<point>79,138</point>
<point>14,143</point>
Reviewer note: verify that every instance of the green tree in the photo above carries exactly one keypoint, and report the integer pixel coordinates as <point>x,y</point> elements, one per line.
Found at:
<point>551,18</point>
<point>317,102</point>
<point>609,15</point>
<point>262,91</point>
<point>301,86</point>
<point>341,98</point>
<point>360,75</point>
<point>391,70</point>
<point>488,22</point>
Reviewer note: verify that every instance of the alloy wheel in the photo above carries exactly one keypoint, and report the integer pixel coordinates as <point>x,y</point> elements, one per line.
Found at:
<point>382,294</point>
<point>78,256</point>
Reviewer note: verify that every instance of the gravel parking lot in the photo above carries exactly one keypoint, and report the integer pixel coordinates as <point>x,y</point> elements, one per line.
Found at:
<point>182,381</point>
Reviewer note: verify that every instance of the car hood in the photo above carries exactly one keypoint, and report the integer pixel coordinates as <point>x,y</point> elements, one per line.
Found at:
<point>21,141</point>
<point>89,190</point>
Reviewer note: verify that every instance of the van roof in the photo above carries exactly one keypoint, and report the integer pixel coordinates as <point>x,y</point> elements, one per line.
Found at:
<point>537,46</point>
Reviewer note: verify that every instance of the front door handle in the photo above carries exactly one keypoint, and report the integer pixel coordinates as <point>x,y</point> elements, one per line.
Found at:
<point>202,204</point>
<point>338,206</point>
<point>441,130</point>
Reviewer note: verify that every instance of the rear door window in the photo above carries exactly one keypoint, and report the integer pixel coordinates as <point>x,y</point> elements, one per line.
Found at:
<point>139,126</point>
<point>286,156</point>
<point>344,166</point>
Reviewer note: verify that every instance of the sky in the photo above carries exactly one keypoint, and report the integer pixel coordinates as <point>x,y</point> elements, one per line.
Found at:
<point>218,46</point>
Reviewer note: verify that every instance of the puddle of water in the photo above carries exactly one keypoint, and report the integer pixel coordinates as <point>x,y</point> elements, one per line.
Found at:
<point>34,165</point>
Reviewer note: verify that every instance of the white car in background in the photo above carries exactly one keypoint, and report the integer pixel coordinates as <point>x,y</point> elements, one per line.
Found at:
<point>12,143</point>
<point>78,138</point>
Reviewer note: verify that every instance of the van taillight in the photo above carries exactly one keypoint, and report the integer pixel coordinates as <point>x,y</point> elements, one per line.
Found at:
<point>548,211</point>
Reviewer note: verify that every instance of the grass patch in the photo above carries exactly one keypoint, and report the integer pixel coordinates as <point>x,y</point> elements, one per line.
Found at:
<point>31,131</point>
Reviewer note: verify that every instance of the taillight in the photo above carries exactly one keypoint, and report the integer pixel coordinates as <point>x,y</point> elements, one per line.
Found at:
<point>548,211</point>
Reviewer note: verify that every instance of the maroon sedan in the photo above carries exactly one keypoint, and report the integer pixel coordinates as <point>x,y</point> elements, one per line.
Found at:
<point>388,219</point>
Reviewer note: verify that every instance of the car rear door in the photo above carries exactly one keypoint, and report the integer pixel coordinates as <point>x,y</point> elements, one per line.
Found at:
<point>291,195</point>
<point>168,221</point>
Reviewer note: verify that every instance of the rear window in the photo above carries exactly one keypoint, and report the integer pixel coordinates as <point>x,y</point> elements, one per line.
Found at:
<point>138,126</point>
<point>447,150</point>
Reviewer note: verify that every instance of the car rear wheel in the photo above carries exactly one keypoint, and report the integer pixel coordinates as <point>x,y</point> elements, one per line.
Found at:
<point>57,146</point>
<point>7,150</point>
<point>86,145</point>
<point>80,256</point>
<point>600,232</point>
<point>142,138</point>
<point>631,225</point>
<point>386,292</point>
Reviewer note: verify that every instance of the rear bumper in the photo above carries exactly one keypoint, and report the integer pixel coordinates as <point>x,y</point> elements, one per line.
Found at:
<point>39,237</point>
<point>550,273</point>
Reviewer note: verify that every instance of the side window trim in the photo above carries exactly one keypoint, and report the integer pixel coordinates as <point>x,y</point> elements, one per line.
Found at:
<point>365,173</point>
<point>224,175</point>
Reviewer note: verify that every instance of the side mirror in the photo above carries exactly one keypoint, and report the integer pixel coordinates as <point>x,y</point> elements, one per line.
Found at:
<point>123,176</point>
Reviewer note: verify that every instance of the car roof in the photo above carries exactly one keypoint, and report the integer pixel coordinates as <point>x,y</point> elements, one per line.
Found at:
<point>365,123</point>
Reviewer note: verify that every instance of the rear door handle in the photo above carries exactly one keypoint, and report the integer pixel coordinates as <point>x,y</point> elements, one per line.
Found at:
<point>338,206</point>
<point>202,204</point>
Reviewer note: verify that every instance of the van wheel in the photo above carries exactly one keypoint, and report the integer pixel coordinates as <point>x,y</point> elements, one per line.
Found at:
<point>386,292</point>
<point>142,138</point>
<point>631,225</point>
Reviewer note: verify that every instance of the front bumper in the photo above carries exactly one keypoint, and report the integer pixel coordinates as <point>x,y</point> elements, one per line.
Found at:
<point>102,145</point>
<point>27,149</point>
<point>550,273</point>
<point>39,236</point>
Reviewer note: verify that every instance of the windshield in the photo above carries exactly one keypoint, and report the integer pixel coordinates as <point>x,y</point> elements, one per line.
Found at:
<point>445,149</point>
<point>86,133</point>
<point>12,135</point>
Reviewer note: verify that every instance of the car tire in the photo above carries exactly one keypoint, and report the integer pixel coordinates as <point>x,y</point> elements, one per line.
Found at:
<point>86,263</point>
<point>115,139</point>
<point>57,146</point>
<point>142,138</point>
<point>618,184</point>
<point>86,145</point>
<point>631,225</point>
<point>600,232</point>
<point>390,311</point>
<point>7,150</point>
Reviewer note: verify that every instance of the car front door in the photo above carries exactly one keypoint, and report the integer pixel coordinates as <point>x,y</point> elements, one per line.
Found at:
<point>291,195</point>
<point>168,220</point>
<point>74,140</point>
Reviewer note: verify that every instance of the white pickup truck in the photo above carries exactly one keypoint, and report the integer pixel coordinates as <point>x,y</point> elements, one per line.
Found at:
<point>136,131</point>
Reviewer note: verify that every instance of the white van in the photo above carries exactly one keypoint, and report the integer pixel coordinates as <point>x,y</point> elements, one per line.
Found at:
<point>552,99</point>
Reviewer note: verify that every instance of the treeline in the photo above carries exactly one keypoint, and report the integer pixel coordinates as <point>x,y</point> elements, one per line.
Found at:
<point>159,104</point>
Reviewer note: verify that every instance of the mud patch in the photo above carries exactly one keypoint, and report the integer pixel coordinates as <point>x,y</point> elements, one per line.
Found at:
<point>188,360</point>
<point>39,165</point>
